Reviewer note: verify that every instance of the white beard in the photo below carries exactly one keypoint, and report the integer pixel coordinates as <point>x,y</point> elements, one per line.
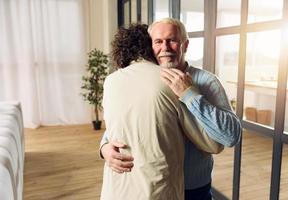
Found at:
<point>168,65</point>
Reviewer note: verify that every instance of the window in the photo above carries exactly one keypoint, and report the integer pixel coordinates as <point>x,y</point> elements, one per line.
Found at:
<point>226,65</point>
<point>194,54</point>
<point>228,13</point>
<point>241,41</point>
<point>262,58</point>
<point>161,9</point>
<point>264,10</point>
<point>192,15</point>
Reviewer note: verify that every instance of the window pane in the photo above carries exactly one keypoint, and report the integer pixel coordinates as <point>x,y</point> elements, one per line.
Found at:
<point>194,54</point>
<point>262,58</point>
<point>133,11</point>
<point>286,113</point>
<point>144,11</point>
<point>284,168</point>
<point>126,14</point>
<point>226,69</point>
<point>228,13</point>
<point>161,9</point>
<point>227,50</point>
<point>255,166</point>
<point>284,174</point>
<point>264,10</point>
<point>222,179</point>
<point>192,14</point>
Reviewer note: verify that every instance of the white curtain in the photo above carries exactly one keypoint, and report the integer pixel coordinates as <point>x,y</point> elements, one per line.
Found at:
<point>42,60</point>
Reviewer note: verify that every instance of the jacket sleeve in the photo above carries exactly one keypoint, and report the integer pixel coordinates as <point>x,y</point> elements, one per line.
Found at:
<point>214,113</point>
<point>195,132</point>
<point>104,140</point>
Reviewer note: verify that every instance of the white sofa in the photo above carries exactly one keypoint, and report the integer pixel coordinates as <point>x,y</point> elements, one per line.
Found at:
<point>11,151</point>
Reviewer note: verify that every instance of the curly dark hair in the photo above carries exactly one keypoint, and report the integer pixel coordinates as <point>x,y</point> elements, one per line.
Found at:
<point>131,44</point>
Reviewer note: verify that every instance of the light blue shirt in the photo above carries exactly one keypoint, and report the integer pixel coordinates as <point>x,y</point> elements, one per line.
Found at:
<point>213,112</point>
<point>215,115</point>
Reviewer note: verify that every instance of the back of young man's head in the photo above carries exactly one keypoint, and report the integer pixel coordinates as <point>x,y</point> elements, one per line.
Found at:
<point>131,44</point>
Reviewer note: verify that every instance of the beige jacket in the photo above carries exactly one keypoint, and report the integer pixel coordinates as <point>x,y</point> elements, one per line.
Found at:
<point>142,112</point>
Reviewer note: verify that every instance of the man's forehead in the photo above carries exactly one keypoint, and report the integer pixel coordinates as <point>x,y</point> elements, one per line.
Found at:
<point>161,29</point>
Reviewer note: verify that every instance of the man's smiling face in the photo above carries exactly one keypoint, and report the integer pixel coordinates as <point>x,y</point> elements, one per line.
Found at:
<point>167,45</point>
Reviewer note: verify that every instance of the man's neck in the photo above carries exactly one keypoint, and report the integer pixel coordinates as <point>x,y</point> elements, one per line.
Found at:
<point>183,67</point>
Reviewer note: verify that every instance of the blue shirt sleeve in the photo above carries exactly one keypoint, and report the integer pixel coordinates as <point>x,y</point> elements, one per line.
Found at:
<point>213,110</point>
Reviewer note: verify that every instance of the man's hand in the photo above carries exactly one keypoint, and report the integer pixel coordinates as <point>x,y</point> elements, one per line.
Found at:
<point>176,80</point>
<point>116,161</point>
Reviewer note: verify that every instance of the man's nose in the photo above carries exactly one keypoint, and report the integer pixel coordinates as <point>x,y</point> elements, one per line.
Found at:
<point>165,45</point>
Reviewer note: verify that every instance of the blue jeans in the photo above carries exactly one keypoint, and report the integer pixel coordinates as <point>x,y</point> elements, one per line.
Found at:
<point>202,193</point>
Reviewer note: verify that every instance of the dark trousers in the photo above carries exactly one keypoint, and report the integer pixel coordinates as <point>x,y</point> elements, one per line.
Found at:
<point>202,193</point>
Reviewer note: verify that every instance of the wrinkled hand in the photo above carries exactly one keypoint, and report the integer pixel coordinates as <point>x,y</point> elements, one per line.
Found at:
<point>116,161</point>
<point>176,80</point>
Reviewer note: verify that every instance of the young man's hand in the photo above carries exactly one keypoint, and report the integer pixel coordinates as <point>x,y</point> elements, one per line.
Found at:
<point>116,161</point>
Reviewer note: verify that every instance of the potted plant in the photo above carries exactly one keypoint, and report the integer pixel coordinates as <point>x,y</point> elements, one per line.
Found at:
<point>93,82</point>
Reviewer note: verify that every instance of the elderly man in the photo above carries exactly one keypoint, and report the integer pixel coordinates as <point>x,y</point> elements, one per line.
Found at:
<point>211,108</point>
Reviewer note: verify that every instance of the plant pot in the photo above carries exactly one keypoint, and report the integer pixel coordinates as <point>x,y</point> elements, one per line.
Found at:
<point>97,125</point>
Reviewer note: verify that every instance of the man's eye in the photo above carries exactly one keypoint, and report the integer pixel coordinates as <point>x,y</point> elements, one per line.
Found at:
<point>157,42</point>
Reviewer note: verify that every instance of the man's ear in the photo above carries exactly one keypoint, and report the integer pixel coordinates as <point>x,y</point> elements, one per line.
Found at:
<point>185,45</point>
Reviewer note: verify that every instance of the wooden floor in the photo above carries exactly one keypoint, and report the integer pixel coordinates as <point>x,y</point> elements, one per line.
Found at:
<point>255,169</point>
<point>62,163</point>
